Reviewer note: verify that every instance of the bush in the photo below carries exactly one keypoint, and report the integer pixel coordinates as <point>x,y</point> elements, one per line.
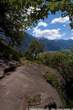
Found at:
<point>52,79</point>
<point>63,62</point>
<point>7,52</point>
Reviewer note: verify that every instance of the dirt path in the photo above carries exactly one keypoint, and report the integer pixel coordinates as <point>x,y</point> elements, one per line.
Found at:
<point>26,81</point>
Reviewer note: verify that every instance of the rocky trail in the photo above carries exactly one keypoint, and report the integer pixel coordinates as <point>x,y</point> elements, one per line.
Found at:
<point>27,87</point>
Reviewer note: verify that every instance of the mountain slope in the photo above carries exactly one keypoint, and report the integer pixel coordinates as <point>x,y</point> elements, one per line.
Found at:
<point>56,45</point>
<point>49,45</point>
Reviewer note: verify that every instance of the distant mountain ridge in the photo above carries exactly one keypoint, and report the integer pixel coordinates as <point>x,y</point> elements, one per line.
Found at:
<point>56,45</point>
<point>49,45</point>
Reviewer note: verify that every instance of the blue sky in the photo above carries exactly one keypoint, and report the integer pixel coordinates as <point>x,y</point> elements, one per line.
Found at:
<point>52,27</point>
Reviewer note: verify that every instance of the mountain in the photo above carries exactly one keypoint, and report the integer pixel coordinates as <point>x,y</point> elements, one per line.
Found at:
<point>26,42</point>
<point>56,45</point>
<point>49,45</point>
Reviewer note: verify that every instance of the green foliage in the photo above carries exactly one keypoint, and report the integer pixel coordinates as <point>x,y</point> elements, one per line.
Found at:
<point>52,79</point>
<point>7,52</point>
<point>52,59</point>
<point>33,100</point>
<point>34,48</point>
<point>16,17</point>
<point>56,82</point>
<point>63,62</point>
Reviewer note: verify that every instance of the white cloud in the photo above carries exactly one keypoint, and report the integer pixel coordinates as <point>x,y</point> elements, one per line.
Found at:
<point>41,23</point>
<point>44,24</point>
<point>60,20</point>
<point>71,34</point>
<point>72,31</point>
<point>28,29</point>
<point>71,37</point>
<point>64,25</point>
<point>47,33</point>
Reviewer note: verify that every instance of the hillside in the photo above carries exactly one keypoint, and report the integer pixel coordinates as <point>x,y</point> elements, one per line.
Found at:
<point>56,45</point>
<point>27,82</point>
<point>49,45</point>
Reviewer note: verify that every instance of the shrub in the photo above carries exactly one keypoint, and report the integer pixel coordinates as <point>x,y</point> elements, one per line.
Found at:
<point>64,64</point>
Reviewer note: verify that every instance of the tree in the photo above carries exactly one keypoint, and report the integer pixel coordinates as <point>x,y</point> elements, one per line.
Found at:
<point>17,15</point>
<point>14,17</point>
<point>35,48</point>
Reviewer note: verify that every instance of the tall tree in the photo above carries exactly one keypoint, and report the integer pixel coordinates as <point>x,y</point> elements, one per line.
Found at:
<point>14,17</point>
<point>34,48</point>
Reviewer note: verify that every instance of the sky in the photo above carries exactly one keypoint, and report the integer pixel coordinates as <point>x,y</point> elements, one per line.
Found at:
<point>52,27</point>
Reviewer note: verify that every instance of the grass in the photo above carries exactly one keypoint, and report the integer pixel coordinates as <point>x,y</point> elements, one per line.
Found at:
<point>33,100</point>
